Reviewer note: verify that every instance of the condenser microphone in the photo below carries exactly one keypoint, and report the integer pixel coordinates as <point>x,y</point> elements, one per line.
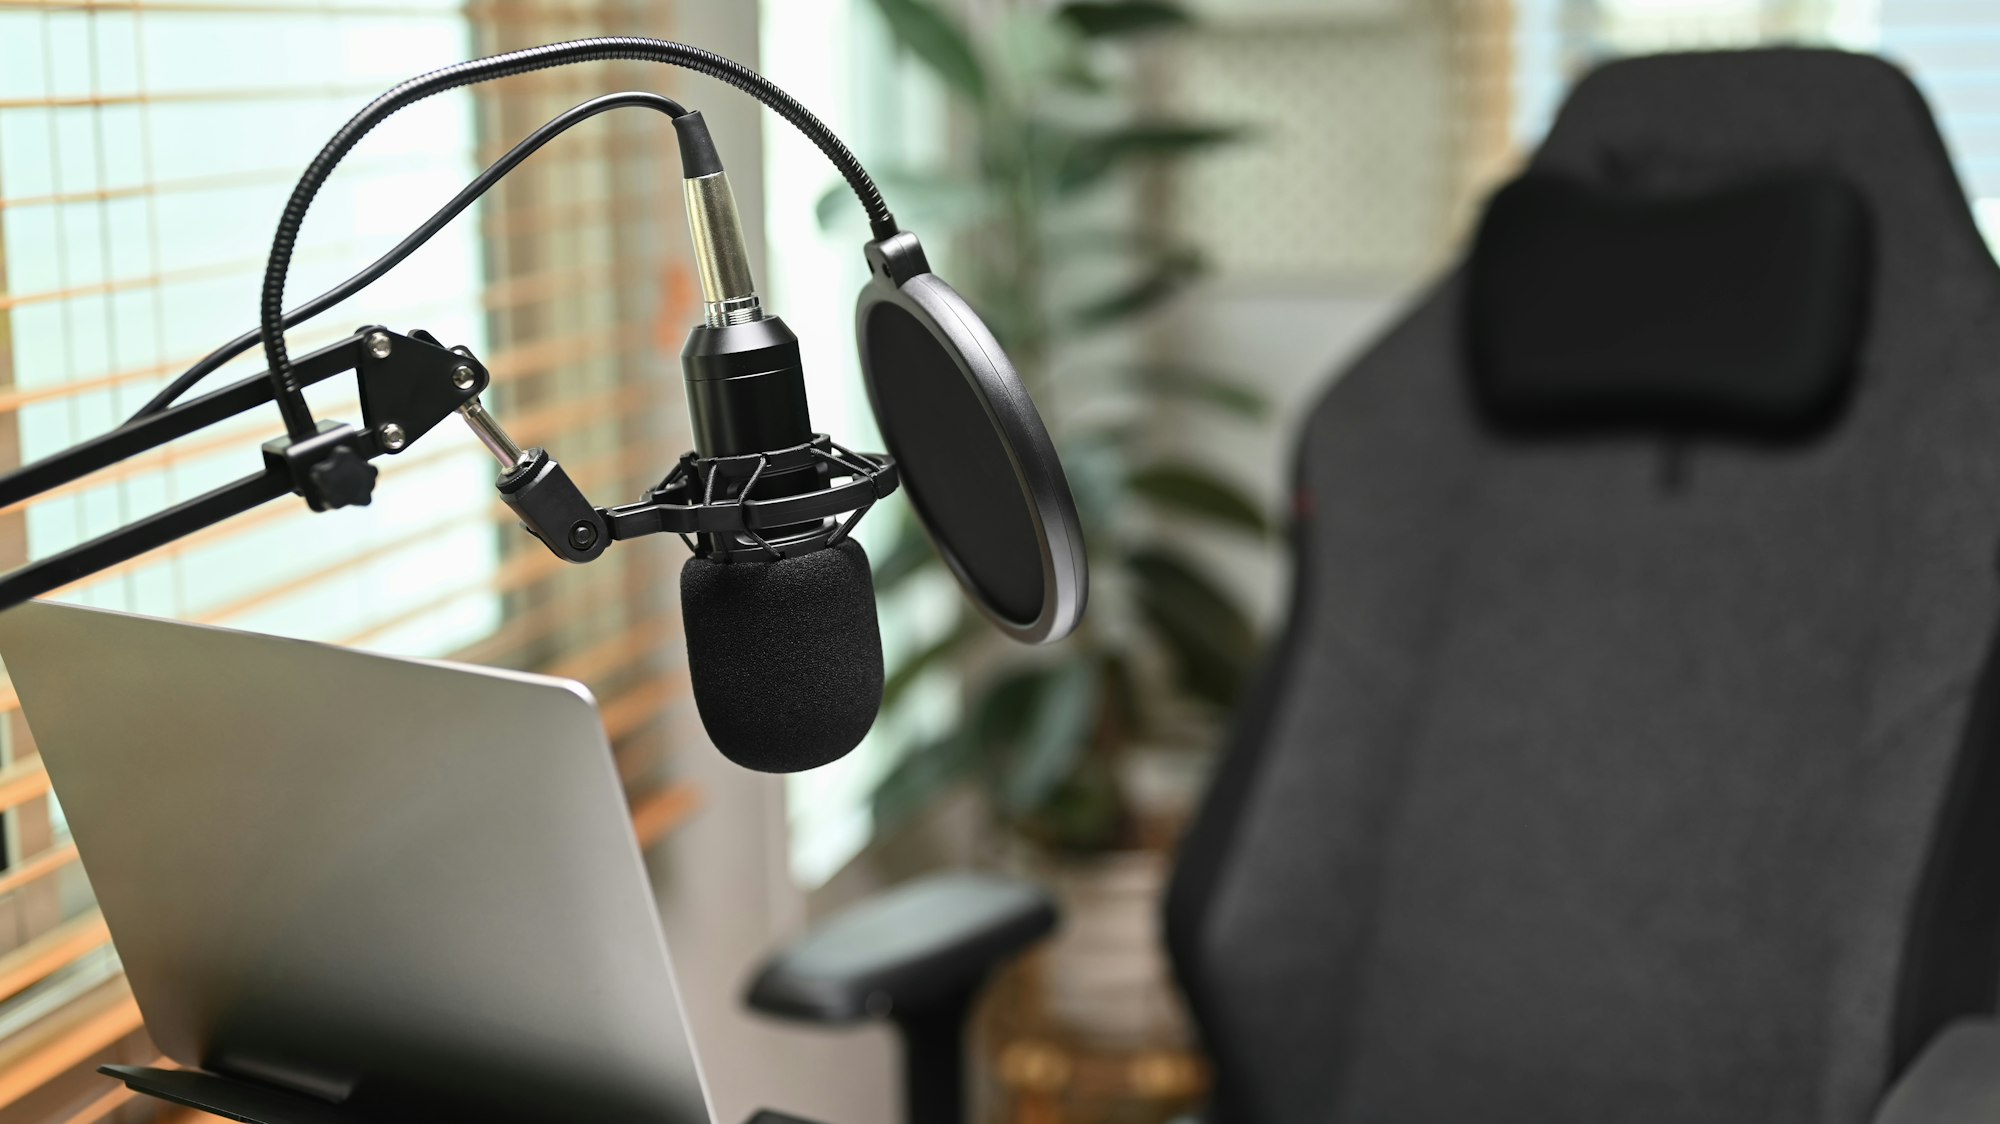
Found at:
<point>784,651</point>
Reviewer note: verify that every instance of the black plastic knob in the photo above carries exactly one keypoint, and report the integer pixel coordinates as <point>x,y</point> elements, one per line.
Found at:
<point>342,479</point>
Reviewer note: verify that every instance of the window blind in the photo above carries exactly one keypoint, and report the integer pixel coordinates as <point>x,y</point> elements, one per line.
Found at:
<point>145,151</point>
<point>1952,47</point>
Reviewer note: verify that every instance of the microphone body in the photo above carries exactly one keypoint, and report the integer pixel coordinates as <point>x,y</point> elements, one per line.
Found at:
<point>784,651</point>
<point>746,391</point>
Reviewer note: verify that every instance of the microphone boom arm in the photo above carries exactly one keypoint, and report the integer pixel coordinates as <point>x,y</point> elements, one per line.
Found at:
<point>408,383</point>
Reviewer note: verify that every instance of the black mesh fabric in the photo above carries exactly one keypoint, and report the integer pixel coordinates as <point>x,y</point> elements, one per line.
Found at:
<point>954,464</point>
<point>1581,794</point>
<point>785,657</point>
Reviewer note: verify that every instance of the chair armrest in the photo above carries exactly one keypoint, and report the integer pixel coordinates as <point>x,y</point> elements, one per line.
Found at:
<point>927,942</point>
<point>1956,1080</point>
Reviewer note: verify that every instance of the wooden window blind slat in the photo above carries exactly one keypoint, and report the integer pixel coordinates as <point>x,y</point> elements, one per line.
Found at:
<point>616,651</point>
<point>562,281</point>
<point>574,148</point>
<point>351,250</point>
<point>498,297</point>
<point>494,13</point>
<point>101,1108</point>
<point>520,86</point>
<point>633,711</point>
<point>276,174</point>
<point>39,958</point>
<point>37,866</point>
<point>67,1040</point>
<point>526,221</point>
<point>655,815</point>
<point>258,96</point>
<point>20,781</point>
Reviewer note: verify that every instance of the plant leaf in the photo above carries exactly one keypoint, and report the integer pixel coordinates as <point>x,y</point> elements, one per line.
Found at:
<point>1056,734</point>
<point>1213,645</point>
<point>1093,239</point>
<point>912,669</point>
<point>831,209</point>
<point>1089,157</point>
<point>1166,276</point>
<point>1105,18</point>
<point>1001,716</point>
<point>1190,489</point>
<point>1087,814</point>
<point>909,554</point>
<point>1026,50</point>
<point>1077,74</point>
<point>1237,398</point>
<point>940,41</point>
<point>935,198</point>
<point>992,724</point>
<point>924,774</point>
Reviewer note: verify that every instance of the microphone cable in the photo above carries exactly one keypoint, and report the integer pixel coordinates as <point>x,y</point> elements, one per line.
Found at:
<point>271,327</point>
<point>555,127</point>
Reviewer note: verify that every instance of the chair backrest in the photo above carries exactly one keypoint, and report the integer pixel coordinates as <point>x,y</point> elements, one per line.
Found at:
<point>1580,791</point>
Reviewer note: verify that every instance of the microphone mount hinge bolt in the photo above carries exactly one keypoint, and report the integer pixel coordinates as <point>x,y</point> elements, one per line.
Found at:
<point>378,343</point>
<point>463,377</point>
<point>393,437</point>
<point>497,440</point>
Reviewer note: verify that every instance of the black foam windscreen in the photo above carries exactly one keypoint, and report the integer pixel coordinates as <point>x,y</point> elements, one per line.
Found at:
<point>785,656</point>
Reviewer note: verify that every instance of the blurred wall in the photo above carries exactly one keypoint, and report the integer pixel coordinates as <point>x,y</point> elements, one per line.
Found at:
<point>1371,126</point>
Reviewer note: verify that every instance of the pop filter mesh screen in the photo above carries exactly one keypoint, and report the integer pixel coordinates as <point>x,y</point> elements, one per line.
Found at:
<point>954,464</point>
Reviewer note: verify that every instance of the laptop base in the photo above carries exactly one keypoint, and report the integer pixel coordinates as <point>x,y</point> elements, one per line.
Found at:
<point>232,1098</point>
<point>252,1103</point>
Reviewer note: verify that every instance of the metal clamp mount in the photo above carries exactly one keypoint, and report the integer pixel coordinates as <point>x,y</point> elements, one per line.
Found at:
<point>709,496</point>
<point>714,496</point>
<point>408,385</point>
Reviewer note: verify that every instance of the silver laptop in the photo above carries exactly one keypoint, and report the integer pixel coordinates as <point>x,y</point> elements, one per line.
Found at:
<point>363,880</point>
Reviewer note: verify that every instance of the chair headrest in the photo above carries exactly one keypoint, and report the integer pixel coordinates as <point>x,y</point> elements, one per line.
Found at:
<point>1734,311</point>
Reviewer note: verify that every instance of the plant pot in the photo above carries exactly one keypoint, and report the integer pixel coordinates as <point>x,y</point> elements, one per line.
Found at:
<point>1104,974</point>
<point>1088,1029</point>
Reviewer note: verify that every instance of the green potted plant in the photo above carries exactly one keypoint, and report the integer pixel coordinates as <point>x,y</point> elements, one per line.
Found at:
<point>1031,220</point>
<point>1037,219</point>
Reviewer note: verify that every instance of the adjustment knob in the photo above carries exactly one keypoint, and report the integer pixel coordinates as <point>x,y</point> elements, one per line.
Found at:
<point>342,479</point>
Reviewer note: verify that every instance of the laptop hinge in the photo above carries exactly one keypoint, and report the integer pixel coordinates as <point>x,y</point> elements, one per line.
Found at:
<point>291,1078</point>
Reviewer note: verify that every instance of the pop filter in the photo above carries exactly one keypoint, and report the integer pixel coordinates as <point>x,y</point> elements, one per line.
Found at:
<point>974,456</point>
